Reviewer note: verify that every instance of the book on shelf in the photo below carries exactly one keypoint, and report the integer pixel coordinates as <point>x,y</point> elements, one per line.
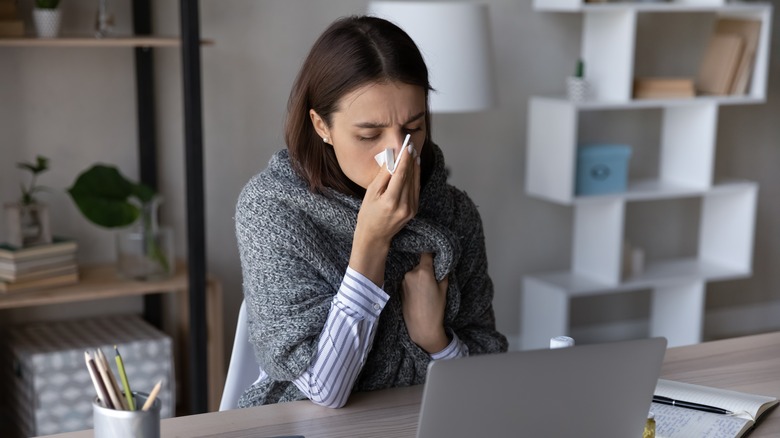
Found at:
<point>11,28</point>
<point>749,31</point>
<point>29,265</point>
<point>39,273</point>
<point>679,422</point>
<point>41,283</point>
<point>663,88</point>
<point>59,245</point>
<point>10,23</point>
<point>719,65</point>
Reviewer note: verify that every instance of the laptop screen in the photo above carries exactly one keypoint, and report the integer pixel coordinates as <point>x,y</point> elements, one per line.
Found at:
<point>602,390</point>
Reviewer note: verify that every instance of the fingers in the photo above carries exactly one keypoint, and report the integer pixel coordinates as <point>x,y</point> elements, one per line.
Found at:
<point>380,182</point>
<point>403,173</point>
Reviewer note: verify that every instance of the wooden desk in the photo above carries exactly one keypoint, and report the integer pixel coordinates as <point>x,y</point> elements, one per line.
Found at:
<point>101,282</point>
<point>745,364</point>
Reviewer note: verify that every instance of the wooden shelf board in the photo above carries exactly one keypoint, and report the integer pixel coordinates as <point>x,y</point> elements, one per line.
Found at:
<point>89,41</point>
<point>665,272</point>
<point>96,282</point>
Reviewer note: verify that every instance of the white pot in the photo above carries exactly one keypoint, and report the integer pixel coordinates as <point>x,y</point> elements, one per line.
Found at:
<point>47,22</point>
<point>577,89</point>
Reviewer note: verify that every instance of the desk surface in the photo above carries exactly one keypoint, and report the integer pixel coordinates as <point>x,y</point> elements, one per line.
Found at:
<point>750,364</point>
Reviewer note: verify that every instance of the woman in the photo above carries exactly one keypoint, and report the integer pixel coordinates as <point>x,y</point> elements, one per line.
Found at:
<point>356,278</point>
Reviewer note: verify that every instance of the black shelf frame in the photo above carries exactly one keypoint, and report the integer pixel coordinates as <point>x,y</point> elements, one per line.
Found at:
<point>193,154</point>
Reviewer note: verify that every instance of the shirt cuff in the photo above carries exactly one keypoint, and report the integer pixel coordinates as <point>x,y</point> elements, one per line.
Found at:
<point>361,294</point>
<point>455,349</point>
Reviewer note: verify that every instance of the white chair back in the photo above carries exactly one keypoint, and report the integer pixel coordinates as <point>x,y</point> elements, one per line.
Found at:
<point>243,369</point>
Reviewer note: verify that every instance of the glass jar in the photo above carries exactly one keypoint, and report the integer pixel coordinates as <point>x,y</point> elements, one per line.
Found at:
<point>145,250</point>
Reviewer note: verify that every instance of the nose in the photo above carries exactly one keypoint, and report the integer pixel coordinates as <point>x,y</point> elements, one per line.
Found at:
<point>398,141</point>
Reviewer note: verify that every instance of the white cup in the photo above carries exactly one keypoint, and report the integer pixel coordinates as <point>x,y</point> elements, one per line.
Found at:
<point>113,423</point>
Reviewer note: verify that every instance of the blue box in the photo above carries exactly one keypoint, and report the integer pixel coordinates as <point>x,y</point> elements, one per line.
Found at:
<point>602,168</point>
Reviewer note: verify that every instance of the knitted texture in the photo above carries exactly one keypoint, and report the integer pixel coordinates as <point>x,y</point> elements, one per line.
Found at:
<point>295,247</point>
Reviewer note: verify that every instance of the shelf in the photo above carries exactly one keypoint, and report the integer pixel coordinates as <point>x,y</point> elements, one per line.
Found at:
<point>578,6</point>
<point>656,190</point>
<point>686,157</point>
<point>101,282</point>
<point>89,41</point>
<point>658,274</point>
<point>96,282</point>
<point>595,105</point>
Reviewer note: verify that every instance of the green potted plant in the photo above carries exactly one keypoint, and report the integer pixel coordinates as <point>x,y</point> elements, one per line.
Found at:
<point>577,87</point>
<point>108,199</point>
<point>28,219</point>
<point>47,18</point>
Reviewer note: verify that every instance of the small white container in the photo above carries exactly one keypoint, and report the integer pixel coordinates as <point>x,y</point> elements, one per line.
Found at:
<point>577,89</point>
<point>47,22</point>
<point>561,342</point>
<point>112,423</point>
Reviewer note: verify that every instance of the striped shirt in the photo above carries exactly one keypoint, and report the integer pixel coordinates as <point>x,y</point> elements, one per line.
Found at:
<point>346,340</point>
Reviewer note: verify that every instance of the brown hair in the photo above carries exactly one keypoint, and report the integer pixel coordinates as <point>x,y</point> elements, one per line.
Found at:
<point>352,52</point>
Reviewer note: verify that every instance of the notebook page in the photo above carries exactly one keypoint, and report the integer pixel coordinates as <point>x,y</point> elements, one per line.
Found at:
<point>737,402</point>
<point>676,422</point>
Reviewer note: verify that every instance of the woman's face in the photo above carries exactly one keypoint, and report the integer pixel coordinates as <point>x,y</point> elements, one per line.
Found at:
<point>371,119</point>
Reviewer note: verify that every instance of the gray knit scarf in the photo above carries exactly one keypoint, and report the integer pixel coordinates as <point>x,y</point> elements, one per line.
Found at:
<point>295,247</point>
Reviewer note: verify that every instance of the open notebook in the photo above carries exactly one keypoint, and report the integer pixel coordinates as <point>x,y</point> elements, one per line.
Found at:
<point>677,422</point>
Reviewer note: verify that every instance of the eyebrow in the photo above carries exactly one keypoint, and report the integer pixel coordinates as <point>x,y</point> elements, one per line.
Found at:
<point>384,125</point>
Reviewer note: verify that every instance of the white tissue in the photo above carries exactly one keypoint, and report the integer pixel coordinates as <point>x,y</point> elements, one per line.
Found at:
<point>386,157</point>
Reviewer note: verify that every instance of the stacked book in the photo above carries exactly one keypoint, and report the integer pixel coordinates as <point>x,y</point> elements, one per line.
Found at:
<point>39,266</point>
<point>663,88</point>
<point>10,23</point>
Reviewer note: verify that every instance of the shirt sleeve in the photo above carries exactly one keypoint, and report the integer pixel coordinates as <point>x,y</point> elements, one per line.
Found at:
<point>455,349</point>
<point>345,341</point>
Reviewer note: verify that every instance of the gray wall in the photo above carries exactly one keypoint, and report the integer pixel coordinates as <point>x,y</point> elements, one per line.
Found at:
<point>76,106</point>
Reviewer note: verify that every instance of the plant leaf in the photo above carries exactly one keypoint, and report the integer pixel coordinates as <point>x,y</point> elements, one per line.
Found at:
<point>101,194</point>
<point>42,164</point>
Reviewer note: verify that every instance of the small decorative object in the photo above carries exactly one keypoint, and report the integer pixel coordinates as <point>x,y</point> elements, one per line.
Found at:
<point>104,20</point>
<point>577,86</point>
<point>107,198</point>
<point>28,220</point>
<point>46,16</point>
<point>602,169</point>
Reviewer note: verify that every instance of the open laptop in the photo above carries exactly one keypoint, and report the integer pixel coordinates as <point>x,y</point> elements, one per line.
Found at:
<point>601,390</point>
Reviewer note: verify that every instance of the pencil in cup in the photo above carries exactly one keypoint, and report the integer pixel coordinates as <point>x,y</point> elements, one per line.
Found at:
<point>120,365</point>
<point>114,393</point>
<point>109,395</point>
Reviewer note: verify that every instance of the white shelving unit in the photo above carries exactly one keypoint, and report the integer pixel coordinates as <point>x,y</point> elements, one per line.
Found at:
<point>685,170</point>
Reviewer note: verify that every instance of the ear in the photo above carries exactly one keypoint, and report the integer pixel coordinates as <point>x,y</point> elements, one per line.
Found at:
<point>320,126</point>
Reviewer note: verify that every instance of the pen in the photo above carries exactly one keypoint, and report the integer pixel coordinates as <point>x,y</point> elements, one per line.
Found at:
<point>690,405</point>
